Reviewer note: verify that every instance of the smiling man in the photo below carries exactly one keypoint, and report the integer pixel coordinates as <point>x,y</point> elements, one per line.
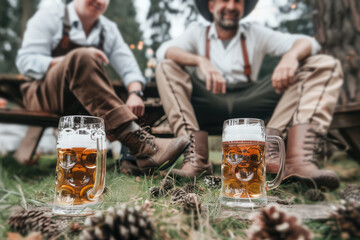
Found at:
<point>210,73</point>
<point>64,50</point>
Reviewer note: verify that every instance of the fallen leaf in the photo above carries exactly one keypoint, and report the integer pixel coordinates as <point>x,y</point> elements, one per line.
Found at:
<point>13,236</point>
<point>75,227</point>
<point>17,236</point>
<point>138,179</point>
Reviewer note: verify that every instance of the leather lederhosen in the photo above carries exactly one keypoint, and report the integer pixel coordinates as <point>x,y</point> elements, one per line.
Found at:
<point>66,45</point>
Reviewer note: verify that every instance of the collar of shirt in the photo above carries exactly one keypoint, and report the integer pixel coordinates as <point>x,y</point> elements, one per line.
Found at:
<point>213,33</point>
<point>75,22</point>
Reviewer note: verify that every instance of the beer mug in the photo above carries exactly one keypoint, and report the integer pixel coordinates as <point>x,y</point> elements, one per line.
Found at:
<point>243,167</point>
<point>81,165</point>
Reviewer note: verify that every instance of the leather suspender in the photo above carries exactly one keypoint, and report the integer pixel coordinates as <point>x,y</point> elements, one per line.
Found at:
<point>247,66</point>
<point>207,49</point>
<point>66,32</point>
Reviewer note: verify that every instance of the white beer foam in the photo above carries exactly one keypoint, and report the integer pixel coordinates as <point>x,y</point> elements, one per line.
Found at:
<point>76,141</point>
<point>245,132</point>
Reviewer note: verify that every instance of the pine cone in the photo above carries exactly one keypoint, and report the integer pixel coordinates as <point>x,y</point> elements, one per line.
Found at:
<point>34,221</point>
<point>118,223</point>
<point>155,192</point>
<point>167,184</point>
<point>274,224</point>
<point>315,195</point>
<point>351,193</point>
<point>347,220</point>
<point>212,182</point>
<point>286,201</point>
<point>192,203</point>
<point>191,188</point>
<point>178,196</point>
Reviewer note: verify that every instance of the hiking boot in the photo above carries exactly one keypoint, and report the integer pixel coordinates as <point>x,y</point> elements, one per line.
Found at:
<point>301,160</point>
<point>272,154</point>
<point>196,157</point>
<point>151,152</point>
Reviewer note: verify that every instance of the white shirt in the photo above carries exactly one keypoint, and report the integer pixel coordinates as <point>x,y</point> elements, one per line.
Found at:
<point>44,32</point>
<point>229,61</point>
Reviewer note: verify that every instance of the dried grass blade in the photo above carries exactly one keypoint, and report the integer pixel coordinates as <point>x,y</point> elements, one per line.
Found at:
<point>22,196</point>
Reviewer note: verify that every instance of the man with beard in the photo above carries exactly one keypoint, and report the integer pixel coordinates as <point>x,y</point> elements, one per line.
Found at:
<point>64,49</point>
<point>297,101</point>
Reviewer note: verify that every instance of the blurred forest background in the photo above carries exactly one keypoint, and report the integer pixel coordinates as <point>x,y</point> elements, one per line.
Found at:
<point>292,16</point>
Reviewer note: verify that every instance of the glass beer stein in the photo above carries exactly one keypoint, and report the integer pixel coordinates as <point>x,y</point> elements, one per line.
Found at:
<point>243,167</point>
<point>81,165</point>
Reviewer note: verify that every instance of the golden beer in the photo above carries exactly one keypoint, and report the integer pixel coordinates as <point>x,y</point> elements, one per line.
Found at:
<point>81,165</point>
<point>75,175</point>
<point>243,169</point>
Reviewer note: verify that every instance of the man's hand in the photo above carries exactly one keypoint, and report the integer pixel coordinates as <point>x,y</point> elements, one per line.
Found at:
<point>214,80</point>
<point>136,105</point>
<point>100,54</point>
<point>134,102</point>
<point>55,61</point>
<point>283,75</point>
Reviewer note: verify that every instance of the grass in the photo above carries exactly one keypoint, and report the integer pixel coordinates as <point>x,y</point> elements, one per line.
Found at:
<point>34,186</point>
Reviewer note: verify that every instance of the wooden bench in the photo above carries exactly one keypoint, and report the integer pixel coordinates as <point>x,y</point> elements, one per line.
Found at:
<point>347,121</point>
<point>346,118</point>
<point>38,121</point>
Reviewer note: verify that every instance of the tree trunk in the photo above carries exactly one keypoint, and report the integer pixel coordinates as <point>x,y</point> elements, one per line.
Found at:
<point>27,12</point>
<point>337,28</point>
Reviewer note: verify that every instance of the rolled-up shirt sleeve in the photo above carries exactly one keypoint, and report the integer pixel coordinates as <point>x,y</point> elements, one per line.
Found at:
<point>277,43</point>
<point>186,41</point>
<point>34,56</point>
<point>123,60</point>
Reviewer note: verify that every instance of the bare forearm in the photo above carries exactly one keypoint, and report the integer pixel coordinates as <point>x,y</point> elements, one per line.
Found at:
<point>182,57</point>
<point>301,49</point>
<point>283,75</point>
<point>134,86</point>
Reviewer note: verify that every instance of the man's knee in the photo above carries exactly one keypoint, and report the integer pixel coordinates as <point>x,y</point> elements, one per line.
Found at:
<point>322,65</point>
<point>82,56</point>
<point>167,67</point>
<point>322,61</point>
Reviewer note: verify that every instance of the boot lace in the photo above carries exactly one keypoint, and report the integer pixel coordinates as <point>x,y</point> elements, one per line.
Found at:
<point>189,153</point>
<point>321,145</point>
<point>272,150</point>
<point>143,134</point>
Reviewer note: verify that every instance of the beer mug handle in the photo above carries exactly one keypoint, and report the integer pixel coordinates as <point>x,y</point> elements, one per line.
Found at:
<point>99,184</point>
<point>277,180</point>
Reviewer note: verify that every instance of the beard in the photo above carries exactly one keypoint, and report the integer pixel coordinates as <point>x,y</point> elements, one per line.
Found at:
<point>227,24</point>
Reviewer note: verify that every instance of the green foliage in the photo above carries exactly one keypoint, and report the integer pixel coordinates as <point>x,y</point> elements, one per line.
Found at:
<point>11,14</point>
<point>229,226</point>
<point>161,13</point>
<point>123,13</point>
<point>303,21</point>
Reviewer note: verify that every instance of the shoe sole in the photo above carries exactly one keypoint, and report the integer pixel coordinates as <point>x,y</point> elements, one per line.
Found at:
<point>205,172</point>
<point>323,182</point>
<point>168,164</point>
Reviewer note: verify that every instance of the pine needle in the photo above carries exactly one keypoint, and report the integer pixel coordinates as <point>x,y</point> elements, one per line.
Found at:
<point>24,204</point>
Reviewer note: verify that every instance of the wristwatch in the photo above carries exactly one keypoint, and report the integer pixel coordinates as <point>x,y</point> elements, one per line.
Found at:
<point>137,92</point>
